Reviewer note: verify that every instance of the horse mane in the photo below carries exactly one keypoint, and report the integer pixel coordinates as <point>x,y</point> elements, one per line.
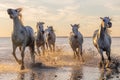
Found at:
<point>37,27</point>
<point>107,31</point>
<point>20,18</point>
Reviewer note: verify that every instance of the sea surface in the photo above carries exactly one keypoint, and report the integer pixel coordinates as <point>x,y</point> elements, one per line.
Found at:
<point>6,44</point>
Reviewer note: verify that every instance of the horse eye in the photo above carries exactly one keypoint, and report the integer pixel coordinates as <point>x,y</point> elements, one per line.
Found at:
<point>15,10</point>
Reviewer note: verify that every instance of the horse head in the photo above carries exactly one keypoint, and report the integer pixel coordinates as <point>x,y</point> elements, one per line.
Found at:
<point>106,22</point>
<point>75,28</point>
<point>13,13</point>
<point>40,27</point>
<point>49,30</point>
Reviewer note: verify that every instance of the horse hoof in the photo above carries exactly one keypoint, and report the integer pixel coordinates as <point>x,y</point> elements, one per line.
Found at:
<point>83,61</point>
<point>74,57</point>
<point>100,65</point>
<point>108,64</point>
<point>39,54</point>
<point>22,67</point>
<point>19,62</point>
<point>33,62</point>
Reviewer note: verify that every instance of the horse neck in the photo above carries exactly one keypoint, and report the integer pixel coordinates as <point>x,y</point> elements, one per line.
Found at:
<point>39,34</point>
<point>17,25</point>
<point>52,32</point>
<point>101,32</point>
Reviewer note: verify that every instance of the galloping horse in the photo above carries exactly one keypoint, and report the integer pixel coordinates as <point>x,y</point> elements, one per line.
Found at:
<point>22,36</point>
<point>40,40</point>
<point>76,41</point>
<point>102,39</point>
<point>50,38</point>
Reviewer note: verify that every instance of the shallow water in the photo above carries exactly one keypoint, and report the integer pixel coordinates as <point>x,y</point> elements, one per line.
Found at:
<point>65,73</point>
<point>9,69</point>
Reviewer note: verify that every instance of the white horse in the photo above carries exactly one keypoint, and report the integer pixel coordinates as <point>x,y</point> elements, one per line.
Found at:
<point>50,38</point>
<point>102,39</point>
<point>40,40</point>
<point>76,41</point>
<point>22,36</point>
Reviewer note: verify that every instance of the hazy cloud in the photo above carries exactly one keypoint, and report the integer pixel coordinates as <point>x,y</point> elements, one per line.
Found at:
<point>62,13</point>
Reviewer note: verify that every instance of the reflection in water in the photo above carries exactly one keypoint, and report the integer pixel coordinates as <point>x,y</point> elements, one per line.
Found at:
<point>110,70</point>
<point>21,76</point>
<point>90,73</point>
<point>68,73</point>
<point>26,76</point>
<point>76,74</point>
<point>46,74</point>
<point>108,74</point>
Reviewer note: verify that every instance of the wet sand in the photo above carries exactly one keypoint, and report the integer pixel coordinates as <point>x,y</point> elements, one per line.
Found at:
<point>54,66</point>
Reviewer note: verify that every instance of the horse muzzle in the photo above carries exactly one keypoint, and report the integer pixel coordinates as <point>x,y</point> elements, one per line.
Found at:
<point>75,36</point>
<point>42,32</point>
<point>109,24</point>
<point>9,11</point>
<point>48,34</point>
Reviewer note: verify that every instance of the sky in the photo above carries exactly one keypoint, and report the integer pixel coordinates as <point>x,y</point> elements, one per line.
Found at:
<point>61,13</point>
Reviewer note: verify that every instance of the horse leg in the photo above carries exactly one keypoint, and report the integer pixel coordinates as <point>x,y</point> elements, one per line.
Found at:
<point>109,58</point>
<point>14,49</point>
<point>46,46</point>
<point>43,49</point>
<point>74,54</point>
<point>81,53</point>
<point>20,48</point>
<point>22,55</point>
<point>77,53</point>
<point>54,47</point>
<point>50,47</point>
<point>32,51</point>
<point>38,50</point>
<point>102,58</point>
<point>74,51</point>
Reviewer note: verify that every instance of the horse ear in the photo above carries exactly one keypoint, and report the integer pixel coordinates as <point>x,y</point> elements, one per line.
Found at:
<point>101,18</point>
<point>71,25</point>
<point>19,9</point>
<point>42,22</point>
<point>52,27</point>
<point>110,19</point>
<point>37,23</point>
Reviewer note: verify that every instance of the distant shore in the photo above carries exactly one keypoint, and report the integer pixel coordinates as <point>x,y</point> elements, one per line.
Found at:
<point>67,37</point>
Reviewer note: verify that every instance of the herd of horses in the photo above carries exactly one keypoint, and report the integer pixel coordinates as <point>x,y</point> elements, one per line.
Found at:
<point>24,36</point>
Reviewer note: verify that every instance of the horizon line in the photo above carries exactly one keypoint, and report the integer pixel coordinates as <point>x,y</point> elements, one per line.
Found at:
<point>68,36</point>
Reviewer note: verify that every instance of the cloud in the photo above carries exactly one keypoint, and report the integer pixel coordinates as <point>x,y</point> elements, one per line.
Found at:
<point>22,1</point>
<point>113,5</point>
<point>61,13</point>
<point>59,2</point>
